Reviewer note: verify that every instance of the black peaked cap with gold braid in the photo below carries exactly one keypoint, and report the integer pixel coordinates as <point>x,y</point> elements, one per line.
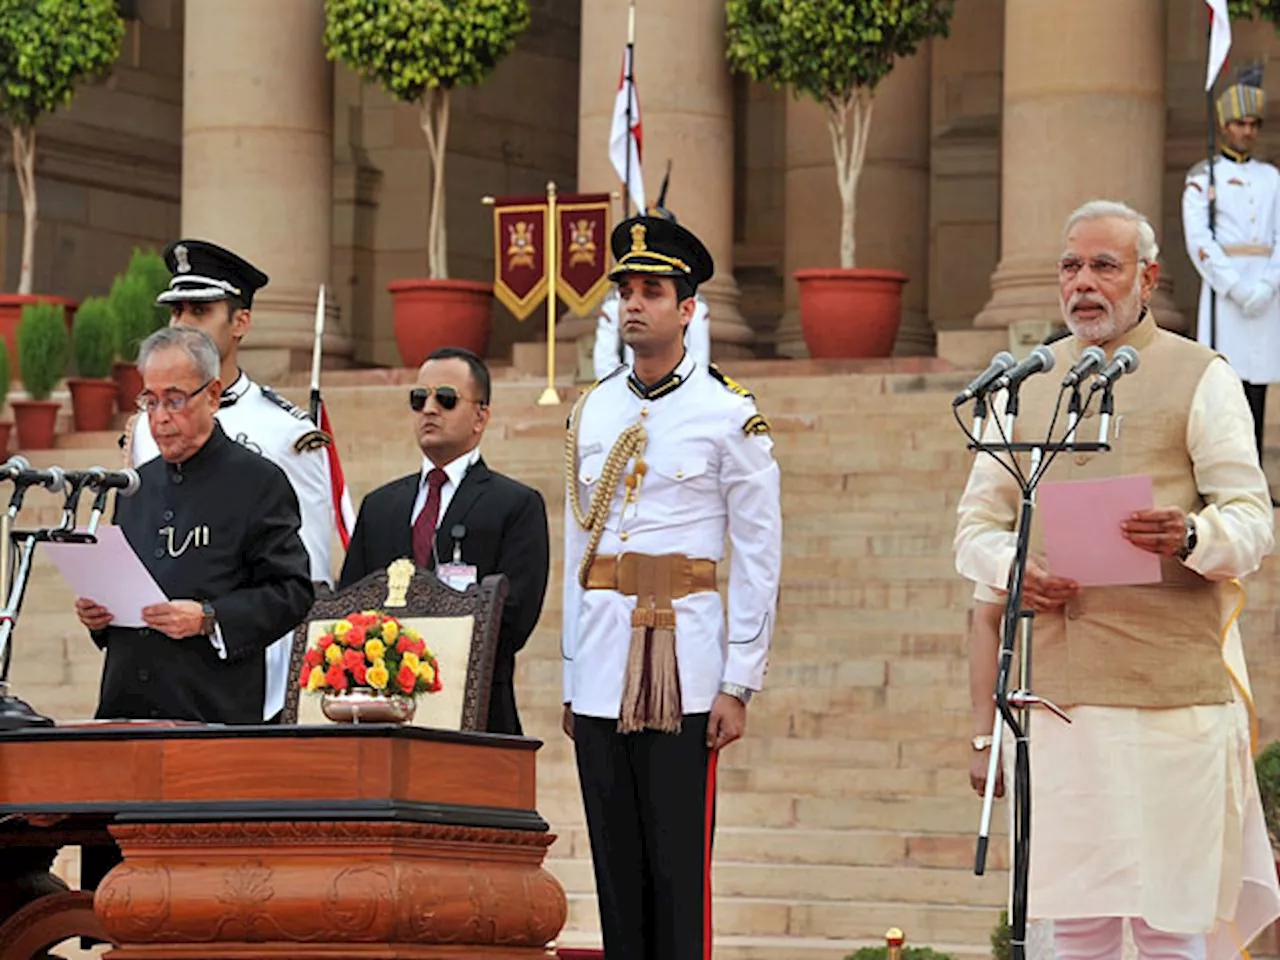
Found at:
<point>658,247</point>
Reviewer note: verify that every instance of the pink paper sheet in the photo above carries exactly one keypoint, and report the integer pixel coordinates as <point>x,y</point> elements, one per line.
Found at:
<point>1082,538</point>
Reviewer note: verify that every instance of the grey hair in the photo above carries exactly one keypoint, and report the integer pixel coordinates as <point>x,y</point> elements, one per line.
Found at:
<point>196,344</point>
<point>1148,249</point>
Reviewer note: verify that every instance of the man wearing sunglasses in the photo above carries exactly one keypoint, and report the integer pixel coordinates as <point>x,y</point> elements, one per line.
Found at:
<point>212,290</point>
<point>457,516</point>
<point>667,457</point>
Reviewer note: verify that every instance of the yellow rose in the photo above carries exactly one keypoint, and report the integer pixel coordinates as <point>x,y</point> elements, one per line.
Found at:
<point>411,661</point>
<point>390,631</point>
<point>412,634</point>
<point>377,676</point>
<point>368,613</point>
<point>341,628</point>
<point>374,649</point>
<point>425,671</point>
<point>315,679</point>
<point>333,654</point>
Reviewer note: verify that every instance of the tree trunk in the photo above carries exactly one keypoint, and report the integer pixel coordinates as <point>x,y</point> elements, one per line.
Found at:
<point>24,165</point>
<point>849,122</point>
<point>435,124</point>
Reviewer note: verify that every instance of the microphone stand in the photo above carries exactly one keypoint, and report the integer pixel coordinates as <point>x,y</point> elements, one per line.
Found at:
<point>1013,706</point>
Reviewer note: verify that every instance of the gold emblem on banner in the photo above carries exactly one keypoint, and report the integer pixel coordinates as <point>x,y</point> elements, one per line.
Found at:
<point>582,243</point>
<point>521,249</point>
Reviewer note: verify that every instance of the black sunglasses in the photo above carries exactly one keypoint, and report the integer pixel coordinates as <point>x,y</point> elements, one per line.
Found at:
<point>446,396</point>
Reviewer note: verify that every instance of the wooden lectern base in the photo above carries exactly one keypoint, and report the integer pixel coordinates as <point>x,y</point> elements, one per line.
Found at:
<point>266,843</point>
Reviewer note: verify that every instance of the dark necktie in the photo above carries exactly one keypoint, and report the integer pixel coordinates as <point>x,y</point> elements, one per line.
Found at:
<point>424,528</point>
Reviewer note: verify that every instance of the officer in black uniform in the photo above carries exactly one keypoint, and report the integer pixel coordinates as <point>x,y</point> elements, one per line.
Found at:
<point>217,526</point>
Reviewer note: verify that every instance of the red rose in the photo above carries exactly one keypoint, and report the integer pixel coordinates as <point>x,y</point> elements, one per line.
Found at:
<point>407,679</point>
<point>419,648</point>
<point>358,674</point>
<point>313,657</point>
<point>404,644</point>
<point>355,639</point>
<point>306,674</point>
<point>352,659</point>
<point>326,641</point>
<point>336,677</point>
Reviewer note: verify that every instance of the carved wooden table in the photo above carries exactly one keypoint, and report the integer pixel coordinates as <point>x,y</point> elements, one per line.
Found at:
<point>374,842</point>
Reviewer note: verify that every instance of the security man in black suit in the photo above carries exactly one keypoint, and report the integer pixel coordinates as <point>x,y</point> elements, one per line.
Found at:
<point>217,525</point>
<point>456,511</point>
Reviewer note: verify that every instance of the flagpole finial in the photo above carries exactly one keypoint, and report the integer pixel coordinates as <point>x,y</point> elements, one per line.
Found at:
<point>631,23</point>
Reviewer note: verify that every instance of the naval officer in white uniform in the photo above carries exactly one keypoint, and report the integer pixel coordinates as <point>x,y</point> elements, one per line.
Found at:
<point>1239,260</point>
<point>212,289</point>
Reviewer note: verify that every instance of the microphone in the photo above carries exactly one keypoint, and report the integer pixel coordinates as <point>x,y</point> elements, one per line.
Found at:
<point>1041,360</point>
<point>1000,364</point>
<point>98,478</point>
<point>1091,358</point>
<point>1124,361</point>
<point>19,470</point>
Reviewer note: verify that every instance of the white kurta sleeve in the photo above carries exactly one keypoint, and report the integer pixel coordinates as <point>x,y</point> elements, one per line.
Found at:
<point>1236,528</point>
<point>985,540</point>
<point>751,483</point>
<point>1206,254</point>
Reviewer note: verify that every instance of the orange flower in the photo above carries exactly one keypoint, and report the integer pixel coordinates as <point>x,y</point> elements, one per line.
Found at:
<point>419,647</point>
<point>352,659</point>
<point>306,675</point>
<point>313,657</point>
<point>404,643</point>
<point>358,674</point>
<point>325,642</point>
<point>406,679</point>
<point>336,677</point>
<point>355,638</point>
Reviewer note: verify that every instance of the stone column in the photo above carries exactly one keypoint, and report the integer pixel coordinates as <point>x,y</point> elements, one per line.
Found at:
<point>1084,117</point>
<point>257,164</point>
<point>892,226</point>
<point>686,105</point>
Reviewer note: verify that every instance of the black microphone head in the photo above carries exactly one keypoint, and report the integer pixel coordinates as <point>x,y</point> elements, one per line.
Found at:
<point>1094,351</point>
<point>1046,356</point>
<point>131,487</point>
<point>57,480</point>
<point>1130,356</point>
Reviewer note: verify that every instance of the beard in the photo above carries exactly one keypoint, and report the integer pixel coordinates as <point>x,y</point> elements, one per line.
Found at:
<point>1116,318</point>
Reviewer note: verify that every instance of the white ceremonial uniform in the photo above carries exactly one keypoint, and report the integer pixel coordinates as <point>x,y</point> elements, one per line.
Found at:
<point>1110,788</point>
<point>1242,250</point>
<point>282,432</point>
<point>710,469</point>
<point>605,355</point>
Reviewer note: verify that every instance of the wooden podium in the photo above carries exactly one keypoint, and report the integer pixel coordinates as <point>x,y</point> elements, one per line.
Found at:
<point>307,843</point>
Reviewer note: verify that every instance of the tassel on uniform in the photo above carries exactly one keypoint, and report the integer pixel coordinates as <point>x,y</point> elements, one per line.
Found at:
<point>651,687</point>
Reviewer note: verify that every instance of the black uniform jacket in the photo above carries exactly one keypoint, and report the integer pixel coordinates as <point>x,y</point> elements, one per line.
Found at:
<point>504,531</point>
<point>220,527</point>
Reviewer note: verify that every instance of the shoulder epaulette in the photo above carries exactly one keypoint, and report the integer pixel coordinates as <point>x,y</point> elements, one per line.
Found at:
<point>284,404</point>
<point>728,382</point>
<point>1198,169</point>
<point>311,441</point>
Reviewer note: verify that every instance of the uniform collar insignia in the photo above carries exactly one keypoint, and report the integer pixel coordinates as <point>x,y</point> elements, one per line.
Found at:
<point>668,384</point>
<point>1235,156</point>
<point>236,391</point>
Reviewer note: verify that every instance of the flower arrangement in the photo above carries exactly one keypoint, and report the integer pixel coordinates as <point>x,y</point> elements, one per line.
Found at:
<point>370,649</point>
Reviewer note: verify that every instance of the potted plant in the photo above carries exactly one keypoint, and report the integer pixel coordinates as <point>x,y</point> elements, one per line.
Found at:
<point>135,315</point>
<point>46,50</point>
<point>419,51</point>
<point>368,668</point>
<point>44,347</point>
<point>6,426</point>
<point>836,53</point>
<point>93,392</point>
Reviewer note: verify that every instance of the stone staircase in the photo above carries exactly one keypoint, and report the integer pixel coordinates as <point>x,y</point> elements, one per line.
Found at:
<point>846,809</point>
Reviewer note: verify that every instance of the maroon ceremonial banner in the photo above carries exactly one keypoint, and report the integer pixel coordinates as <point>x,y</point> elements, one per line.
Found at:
<point>520,253</point>
<point>584,256</point>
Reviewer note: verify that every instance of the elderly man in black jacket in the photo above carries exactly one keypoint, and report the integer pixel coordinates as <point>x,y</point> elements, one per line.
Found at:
<point>217,525</point>
<point>455,506</point>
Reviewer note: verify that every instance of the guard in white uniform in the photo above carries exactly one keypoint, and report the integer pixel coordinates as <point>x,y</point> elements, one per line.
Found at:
<point>1239,260</point>
<point>206,276</point>
<point>655,680</point>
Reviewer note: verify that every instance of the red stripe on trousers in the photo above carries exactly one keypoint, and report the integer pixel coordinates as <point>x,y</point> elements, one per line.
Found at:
<point>706,860</point>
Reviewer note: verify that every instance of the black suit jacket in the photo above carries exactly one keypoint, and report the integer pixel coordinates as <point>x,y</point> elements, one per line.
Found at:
<point>506,532</point>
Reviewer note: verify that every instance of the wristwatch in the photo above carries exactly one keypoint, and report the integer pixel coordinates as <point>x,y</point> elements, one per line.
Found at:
<point>981,742</point>
<point>737,690</point>
<point>1189,540</point>
<point>208,624</point>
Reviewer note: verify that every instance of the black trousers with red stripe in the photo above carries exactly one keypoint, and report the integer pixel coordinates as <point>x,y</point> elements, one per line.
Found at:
<point>650,803</point>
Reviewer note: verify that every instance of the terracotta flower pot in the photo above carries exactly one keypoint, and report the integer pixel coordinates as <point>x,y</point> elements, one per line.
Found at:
<point>851,313</point>
<point>128,383</point>
<point>37,422</point>
<point>11,305</point>
<point>5,430</point>
<point>440,313</point>
<point>93,402</point>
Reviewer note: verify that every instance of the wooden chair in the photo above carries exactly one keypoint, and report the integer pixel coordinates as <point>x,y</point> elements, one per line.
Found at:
<point>460,627</point>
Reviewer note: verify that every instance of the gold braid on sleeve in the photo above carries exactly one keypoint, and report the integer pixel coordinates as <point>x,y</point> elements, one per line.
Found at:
<point>630,443</point>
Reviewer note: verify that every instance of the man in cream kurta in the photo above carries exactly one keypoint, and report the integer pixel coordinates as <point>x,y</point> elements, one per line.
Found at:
<point>1145,806</point>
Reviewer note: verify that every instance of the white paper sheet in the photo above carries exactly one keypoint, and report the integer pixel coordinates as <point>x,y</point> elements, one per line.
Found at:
<point>109,573</point>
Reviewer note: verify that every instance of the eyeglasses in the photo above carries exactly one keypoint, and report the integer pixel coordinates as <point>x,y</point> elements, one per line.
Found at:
<point>173,401</point>
<point>446,396</point>
<point>1104,268</point>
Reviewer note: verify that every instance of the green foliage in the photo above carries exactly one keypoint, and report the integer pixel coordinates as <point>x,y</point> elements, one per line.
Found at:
<point>1252,9</point>
<point>1001,936</point>
<point>44,347</point>
<point>908,953</point>
<point>828,49</point>
<point>6,372</point>
<point>133,314</point>
<point>1267,766</point>
<point>47,47</point>
<point>155,277</point>
<point>411,46</point>
<point>93,338</point>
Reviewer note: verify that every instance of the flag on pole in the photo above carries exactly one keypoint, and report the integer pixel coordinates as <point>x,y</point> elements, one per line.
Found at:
<point>623,140</point>
<point>1219,40</point>
<point>343,512</point>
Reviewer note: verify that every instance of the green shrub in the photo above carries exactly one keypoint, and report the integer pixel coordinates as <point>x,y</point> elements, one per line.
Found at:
<point>908,953</point>
<point>6,372</point>
<point>155,276</point>
<point>44,346</point>
<point>93,339</point>
<point>133,314</point>
<point>1000,938</point>
<point>1267,766</point>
